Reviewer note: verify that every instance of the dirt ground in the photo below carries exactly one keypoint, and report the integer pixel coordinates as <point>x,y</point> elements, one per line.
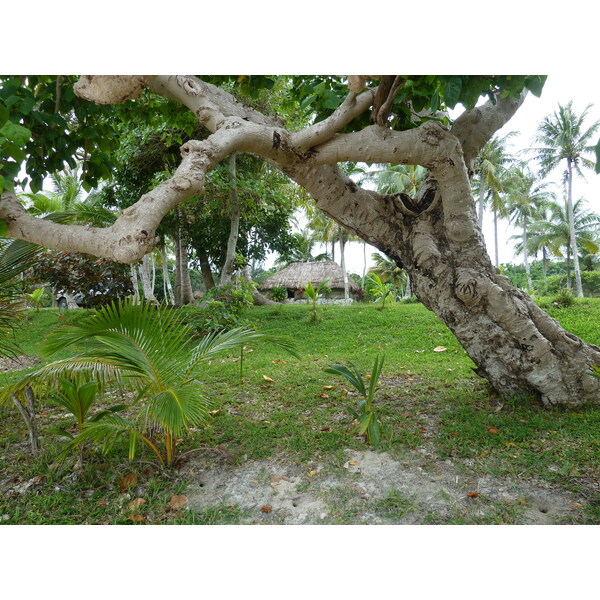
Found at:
<point>369,488</point>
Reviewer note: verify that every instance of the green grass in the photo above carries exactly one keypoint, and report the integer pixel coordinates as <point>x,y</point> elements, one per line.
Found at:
<point>426,398</point>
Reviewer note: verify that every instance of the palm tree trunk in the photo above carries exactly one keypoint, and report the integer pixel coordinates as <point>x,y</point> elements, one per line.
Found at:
<point>525,258</point>
<point>480,202</point>
<point>343,265</point>
<point>364,274</point>
<point>229,264</point>
<point>544,264</point>
<point>569,265</point>
<point>497,261</point>
<point>578,286</point>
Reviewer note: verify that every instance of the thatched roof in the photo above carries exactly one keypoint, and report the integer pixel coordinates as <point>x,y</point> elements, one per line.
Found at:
<point>297,274</point>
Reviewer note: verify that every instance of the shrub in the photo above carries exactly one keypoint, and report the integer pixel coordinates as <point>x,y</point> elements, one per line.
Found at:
<point>220,309</point>
<point>278,294</point>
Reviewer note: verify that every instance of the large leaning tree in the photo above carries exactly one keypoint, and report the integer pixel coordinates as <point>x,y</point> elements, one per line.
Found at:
<point>434,234</point>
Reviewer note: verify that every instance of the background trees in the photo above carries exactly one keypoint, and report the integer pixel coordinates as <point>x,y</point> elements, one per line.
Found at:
<point>563,137</point>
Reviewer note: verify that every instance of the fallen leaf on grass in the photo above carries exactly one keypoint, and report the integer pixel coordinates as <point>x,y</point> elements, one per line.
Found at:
<point>129,480</point>
<point>323,395</point>
<point>267,378</point>
<point>440,349</point>
<point>328,387</point>
<point>473,494</point>
<point>522,501</point>
<point>325,428</point>
<point>493,430</point>
<point>214,412</point>
<point>137,518</point>
<point>352,462</point>
<point>178,502</point>
<point>313,473</point>
<point>266,508</point>
<point>136,503</point>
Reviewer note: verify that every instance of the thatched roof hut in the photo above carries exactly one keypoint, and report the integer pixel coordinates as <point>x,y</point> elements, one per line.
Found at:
<point>296,275</point>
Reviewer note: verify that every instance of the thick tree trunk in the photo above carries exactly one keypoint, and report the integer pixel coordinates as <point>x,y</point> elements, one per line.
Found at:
<point>234,214</point>
<point>517,347</point>
<point>514,344</point>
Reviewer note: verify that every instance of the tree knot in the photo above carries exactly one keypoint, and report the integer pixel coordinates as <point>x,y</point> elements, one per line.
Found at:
<point>189,85</point>
<point>466,287</point>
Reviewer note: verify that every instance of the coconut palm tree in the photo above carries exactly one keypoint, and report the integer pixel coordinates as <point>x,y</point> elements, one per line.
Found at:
<point>564,139</point>
<point>586,225</point>
<point>395,179</point>
<point>302,250</point>
<point>389,273</point>
<point>490,179</point>
<point>527,198</point>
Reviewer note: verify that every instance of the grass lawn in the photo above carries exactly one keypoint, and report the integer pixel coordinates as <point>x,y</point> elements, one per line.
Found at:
<point>430,404</point>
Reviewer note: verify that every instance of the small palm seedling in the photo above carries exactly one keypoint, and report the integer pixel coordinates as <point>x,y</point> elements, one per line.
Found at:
<point>314,294</point>
<point>381,291</point>
<point>35,298</point>
<point>365,412</point>
<point>148,350</point>
<point>77,396</point>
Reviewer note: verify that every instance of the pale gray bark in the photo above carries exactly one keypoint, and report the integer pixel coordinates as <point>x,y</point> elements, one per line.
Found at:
<point>234,215</point>
<point>168,288</point>
<point>342,238</point>
<point>496,255</point>
<point>135,284</point>
<point>525,254</point>
<point>27,411</point>
<point>147,278</point>
<point>574,250</point>
<point>480,204</point>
